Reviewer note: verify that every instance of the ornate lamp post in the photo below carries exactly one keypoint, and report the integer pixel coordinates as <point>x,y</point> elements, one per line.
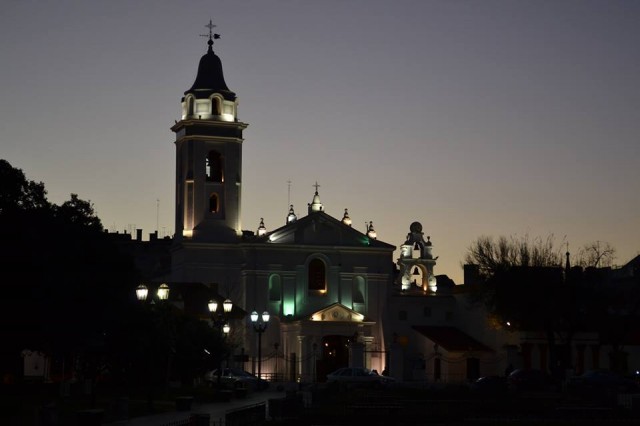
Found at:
<point>259,326</point>
<point>142,294</point>
<point>219,318</point>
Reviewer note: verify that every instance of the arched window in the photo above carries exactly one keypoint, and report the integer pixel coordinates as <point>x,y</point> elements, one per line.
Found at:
<point>215,109</point>
<point>213,167</point>
<point>190,106</point>
<point>317,276</point>
<point>275,288</point>
<point>358,290</point>
<point>214,203</point>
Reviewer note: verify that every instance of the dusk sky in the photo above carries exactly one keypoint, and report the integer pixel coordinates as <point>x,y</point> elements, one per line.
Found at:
<point>474,117</point>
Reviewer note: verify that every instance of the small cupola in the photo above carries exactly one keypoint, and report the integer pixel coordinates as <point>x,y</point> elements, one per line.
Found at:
<point>291,217</point>
<point>371,233</point>
<point>262,230</point>
<point>346,219</point>
<point>316,205</point>
<point>210,78</point>
<point>209,98</point>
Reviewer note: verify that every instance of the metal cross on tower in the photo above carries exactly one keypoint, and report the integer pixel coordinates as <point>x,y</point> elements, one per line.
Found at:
<point>211,35</point>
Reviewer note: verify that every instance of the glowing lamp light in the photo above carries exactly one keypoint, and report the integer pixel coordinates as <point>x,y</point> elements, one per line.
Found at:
<point>213,306</point>
<point>227,305</point>
<point>163,292</point>
<point>346,219</point>
<point>226,329</point>
<point>371,233</point>
<point>259,328</point>
<point>142,292</point>
<point>262,230</point>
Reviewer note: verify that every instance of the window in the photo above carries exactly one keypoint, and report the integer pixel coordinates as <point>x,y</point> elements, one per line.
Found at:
<point>358,290</point>
<point>190,106</point>
<point>214,204</point>
<point>213,167</point>
<point>275,288</point>
<point>215,110</point>
<point>317,276</point>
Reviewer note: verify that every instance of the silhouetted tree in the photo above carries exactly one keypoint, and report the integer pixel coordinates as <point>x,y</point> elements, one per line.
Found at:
<point>596,254</point>
<point>71,286</point>
<point>523,283</point>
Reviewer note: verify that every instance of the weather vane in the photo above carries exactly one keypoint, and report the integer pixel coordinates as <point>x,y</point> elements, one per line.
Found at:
<point>211,35</point>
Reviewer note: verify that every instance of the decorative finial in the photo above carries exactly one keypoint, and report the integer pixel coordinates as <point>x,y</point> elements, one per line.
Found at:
<point>371,233</point>
<point>346,219</point>
<point>261,228</point>
<point>211,35</point>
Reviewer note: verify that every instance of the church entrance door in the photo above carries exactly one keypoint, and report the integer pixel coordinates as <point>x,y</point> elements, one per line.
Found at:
<point>335,354</point>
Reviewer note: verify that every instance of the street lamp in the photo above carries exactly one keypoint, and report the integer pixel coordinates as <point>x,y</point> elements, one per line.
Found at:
<point>220,321</point>
<point>259,326</point>
<point>142,292</point>
<point>163,292</point>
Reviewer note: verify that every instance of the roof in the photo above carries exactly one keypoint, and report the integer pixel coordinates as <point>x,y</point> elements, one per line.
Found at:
<point>451,339</point>
<point>210,78</point>
<point>321,229</point>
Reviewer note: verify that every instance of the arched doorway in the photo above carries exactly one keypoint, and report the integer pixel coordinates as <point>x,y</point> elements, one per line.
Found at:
<point>334,354</point>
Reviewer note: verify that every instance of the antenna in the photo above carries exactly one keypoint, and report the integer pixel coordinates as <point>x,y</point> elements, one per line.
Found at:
<point>157,213</point>
<point>288,192</point>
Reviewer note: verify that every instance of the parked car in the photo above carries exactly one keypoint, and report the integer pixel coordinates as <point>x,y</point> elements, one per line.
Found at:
<point>234,378</point>
<point>489,385</point>
<point>358,377</point>
<point>600,382</point>
<point>531,379</point>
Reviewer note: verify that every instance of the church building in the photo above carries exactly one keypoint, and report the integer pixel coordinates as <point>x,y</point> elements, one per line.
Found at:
<point>323,283</point>
<point>333,296</point>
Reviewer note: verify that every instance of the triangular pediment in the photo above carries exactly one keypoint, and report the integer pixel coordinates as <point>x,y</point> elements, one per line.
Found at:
<point>319,228</point>
<point>337,312</point>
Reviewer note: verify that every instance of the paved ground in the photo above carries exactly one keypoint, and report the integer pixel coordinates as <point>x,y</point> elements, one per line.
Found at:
<point>216,410</point>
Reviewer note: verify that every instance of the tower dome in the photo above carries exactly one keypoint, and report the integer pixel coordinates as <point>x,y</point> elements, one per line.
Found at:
<point>210,78</point>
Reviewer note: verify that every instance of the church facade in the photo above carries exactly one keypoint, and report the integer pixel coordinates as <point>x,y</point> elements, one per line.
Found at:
<point>324,283</point>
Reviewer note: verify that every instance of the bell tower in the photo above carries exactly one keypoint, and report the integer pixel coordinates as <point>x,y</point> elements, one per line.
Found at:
<point>208,157</point>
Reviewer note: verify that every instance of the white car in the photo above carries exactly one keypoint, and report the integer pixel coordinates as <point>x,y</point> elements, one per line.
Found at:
<point>358,377</point>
